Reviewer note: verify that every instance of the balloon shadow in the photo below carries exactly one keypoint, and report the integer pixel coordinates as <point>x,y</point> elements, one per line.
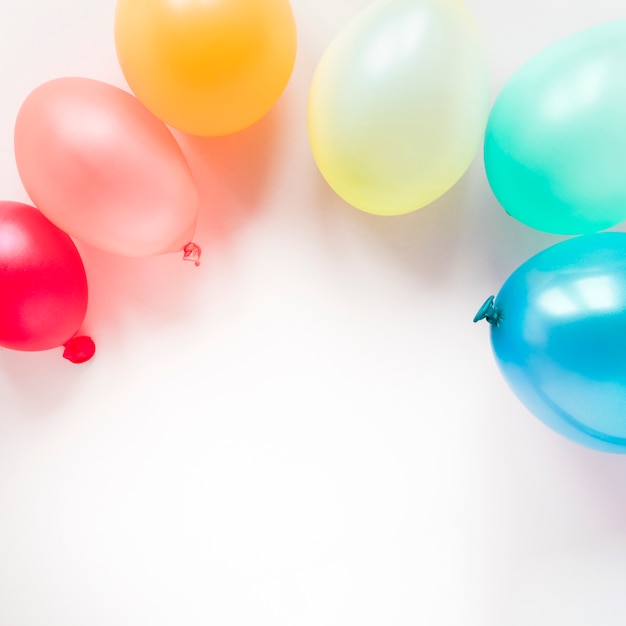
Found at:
<point>602,478</point>
<point>505,243</point>
<point>34,384</point>
<point>424,241</point>
<point>466,228</point>
<point>231,173</point>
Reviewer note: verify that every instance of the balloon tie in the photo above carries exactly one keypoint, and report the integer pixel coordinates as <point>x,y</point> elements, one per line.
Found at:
<point>79,349</point>
<point>489,312</point>
<point>192,252</point>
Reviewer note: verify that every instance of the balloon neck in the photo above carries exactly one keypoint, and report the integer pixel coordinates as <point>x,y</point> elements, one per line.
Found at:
<point>192,252</point>
<point>489,312</point>
<point>79,349</point>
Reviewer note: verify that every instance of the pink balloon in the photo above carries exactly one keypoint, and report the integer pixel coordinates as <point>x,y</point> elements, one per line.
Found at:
<point>105,170</point>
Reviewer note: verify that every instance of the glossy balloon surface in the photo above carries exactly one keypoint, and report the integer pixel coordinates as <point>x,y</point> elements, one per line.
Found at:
<point>398,104</point>
<point>42,281</point>
<point>560,338</point>
<point>206,68</point>
<point>104,169</point>
<point>555,145</point>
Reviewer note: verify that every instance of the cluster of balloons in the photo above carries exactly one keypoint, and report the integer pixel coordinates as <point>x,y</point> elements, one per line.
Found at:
<point>397,109</point>
<point>555,157</point>
<point>101,165</point>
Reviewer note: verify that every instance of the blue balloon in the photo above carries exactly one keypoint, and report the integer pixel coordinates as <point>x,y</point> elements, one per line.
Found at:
<point>558,331</point>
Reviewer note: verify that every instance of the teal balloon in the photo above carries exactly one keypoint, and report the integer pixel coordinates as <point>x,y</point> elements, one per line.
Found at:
<point>555,143</point>
<point>558,332</point>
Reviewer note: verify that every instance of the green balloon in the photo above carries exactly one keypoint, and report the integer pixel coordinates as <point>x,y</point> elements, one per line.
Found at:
<point>555,144</point>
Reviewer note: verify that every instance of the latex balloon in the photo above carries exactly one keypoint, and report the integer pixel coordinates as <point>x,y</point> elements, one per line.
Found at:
<point>206,68</point>
<point>398,104</point>
<point>43,285</point>
<point>558,336</point>
<point>555,144</point>
<point>104,169</point>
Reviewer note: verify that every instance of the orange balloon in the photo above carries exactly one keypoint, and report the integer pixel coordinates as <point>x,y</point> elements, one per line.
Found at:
<point>206,68</point>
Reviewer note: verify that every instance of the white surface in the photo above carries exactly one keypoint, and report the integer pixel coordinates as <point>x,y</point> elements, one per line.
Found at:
<point>308,429</point>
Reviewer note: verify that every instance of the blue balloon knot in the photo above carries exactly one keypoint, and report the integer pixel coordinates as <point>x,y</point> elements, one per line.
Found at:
<point>488,312</point>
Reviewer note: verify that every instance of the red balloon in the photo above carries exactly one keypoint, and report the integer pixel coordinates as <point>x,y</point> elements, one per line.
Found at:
<point>43,284</point>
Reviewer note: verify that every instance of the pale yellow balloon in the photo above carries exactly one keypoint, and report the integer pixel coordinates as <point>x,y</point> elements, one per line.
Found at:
<point>399,103</point>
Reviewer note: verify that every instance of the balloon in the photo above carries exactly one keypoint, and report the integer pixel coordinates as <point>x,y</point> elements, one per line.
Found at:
<point>558,331</point>
<point>398,104</point>
<point>206,68</point>
<point>104,169</point>
<point>555,144</point>
<point>43,285</point>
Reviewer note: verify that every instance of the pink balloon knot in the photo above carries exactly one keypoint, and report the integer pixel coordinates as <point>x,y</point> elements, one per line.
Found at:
<point>192,252</point>
<point>79,349</point>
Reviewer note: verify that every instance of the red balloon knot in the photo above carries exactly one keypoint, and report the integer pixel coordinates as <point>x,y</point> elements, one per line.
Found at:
<point>79,349</point>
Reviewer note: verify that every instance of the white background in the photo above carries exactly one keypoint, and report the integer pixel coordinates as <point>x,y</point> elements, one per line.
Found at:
<point>308,429</point>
